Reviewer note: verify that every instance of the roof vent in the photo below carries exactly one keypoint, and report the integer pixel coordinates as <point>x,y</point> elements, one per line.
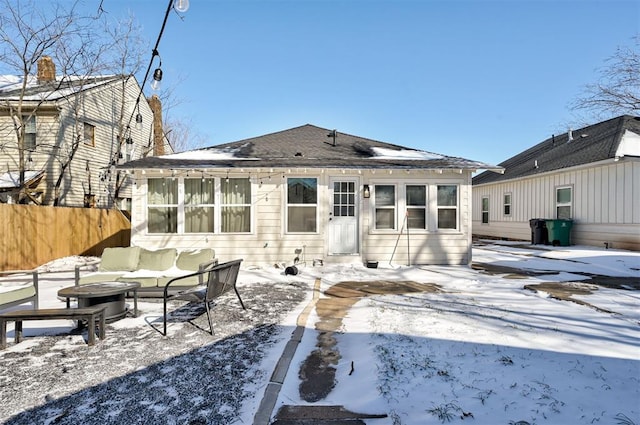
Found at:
<point>298,154</point>
<point>334,135</point>
<point>570,135</point>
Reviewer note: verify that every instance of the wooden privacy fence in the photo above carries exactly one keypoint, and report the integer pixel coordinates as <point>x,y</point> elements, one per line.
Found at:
<point>34,235</point>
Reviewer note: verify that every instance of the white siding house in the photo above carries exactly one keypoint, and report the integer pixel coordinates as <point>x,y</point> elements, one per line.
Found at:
<point>306,194</point>
<point>77,130</point>
<point>590,176</point>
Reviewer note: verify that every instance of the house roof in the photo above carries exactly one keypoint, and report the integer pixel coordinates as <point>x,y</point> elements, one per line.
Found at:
<point>307,146</point>
<point>611,139</point>
<point>11,86</point>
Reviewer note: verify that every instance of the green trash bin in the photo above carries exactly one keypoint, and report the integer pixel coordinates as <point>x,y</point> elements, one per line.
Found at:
<point>559,232</point>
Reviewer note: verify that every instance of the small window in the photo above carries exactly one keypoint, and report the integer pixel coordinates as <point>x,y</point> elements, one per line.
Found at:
<point>89,132</point>
<point>162,205</point>
<point>29,122</point>
<point>385,206</point>
<point>507,204</point>
<point>416,206</point>
<point>563,202</point>
<point>485,210</point>
<point>447,207</point>
<point>302,205</point>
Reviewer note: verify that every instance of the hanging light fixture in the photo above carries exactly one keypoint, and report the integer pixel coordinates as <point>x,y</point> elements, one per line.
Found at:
<point>181,5</point>
<point>139,120</point>
<point>157,74</point>
<point>157,78</point>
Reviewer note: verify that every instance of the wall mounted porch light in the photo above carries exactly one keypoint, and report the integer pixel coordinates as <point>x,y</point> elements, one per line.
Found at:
<point>366,193</point>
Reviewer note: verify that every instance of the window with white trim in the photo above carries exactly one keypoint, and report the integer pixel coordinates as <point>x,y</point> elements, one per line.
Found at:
<point>88,134</point>
<point>199,205</point>
<point>507,204</point>
<point>29,122</point>
<point>564,202</point>
<point>302,205</point>
<point>416,199</point>
<point>447,205</point>
<point>485,210</point>
<point>384,199</point>
<point>162,205</point>
<point>235,204</point>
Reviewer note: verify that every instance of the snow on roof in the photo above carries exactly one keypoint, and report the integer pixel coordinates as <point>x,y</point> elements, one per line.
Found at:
<point>629,145</point>
<point>64,86</point>
<point>406,154</point>
<point>207,154</point>
<point>12,179</point>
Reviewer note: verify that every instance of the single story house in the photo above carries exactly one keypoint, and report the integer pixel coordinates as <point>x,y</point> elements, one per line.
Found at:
<point>589,176</point>
<point>307,194</point>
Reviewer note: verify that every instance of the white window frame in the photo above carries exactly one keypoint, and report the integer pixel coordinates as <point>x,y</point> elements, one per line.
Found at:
<point>89,141</point>
<point>484,212</point>
<point>30,124</point>
<point>217,205</point>
<point>287,205</point>
<point>455,207</point>
<point>564,204</point>
<point>424,208</point>
<point>375,207</point>
<point>506,204</point>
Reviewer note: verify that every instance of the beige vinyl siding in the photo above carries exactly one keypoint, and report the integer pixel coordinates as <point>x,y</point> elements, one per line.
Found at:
<point>269,244</point>
<point>60,122</point>
<point>606,204</point>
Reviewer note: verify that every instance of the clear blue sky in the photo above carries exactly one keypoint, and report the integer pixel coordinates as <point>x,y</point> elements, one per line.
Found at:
<point>482,80</point>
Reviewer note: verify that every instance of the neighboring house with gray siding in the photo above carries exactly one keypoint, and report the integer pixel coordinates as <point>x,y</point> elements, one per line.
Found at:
<point>308,193</point>
<point>590,175</point>
<point>76,132</point>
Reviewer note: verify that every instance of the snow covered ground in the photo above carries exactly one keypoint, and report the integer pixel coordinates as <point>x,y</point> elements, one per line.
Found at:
<point>482,349</point>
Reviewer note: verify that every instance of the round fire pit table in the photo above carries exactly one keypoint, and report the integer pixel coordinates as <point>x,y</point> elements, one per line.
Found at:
<point>109,294</point>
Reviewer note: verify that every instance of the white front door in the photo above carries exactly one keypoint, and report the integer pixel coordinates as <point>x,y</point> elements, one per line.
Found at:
<point>343,217</point>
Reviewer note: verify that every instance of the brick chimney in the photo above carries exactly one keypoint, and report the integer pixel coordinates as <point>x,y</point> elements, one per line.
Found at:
<point>46,70</point>
<point>158,134</point>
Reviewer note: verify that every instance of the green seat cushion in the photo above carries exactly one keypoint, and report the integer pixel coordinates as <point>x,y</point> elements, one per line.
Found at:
<point>99,277</point>
<point>119,259</point>
<point>191,259</point>
<point>189,281</point>
<point>161,259</point>
<point>14,293</point>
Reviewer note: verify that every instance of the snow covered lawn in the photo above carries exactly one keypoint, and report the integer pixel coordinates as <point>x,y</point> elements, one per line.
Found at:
<point>482,350</point>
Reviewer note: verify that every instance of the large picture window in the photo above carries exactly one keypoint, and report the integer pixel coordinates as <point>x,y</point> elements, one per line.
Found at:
<point>416,206</point>
<point>563,202</point>
<point>162,204</point>
<point>302,205</point>
<point>447,207</point>
<point>199,205</point>
<point>385,206</point>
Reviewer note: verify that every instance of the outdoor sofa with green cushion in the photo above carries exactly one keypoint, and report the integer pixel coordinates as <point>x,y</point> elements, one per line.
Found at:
<point>151,268</point>
<point>18,287</point>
